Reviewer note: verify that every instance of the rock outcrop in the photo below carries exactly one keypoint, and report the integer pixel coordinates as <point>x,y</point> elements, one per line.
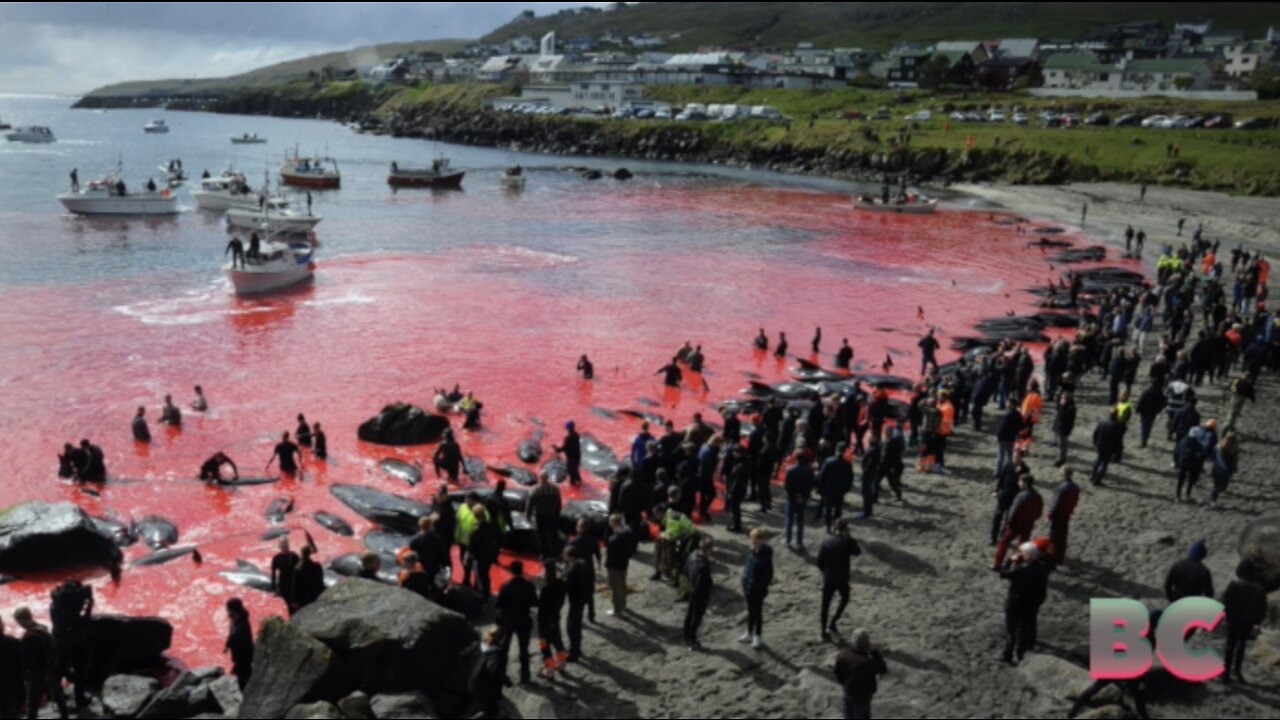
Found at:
<point>39,536</point>
<point>291,667</point>
<point>402,424</point>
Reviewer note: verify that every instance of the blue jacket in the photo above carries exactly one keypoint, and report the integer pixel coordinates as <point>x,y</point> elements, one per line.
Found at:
<point>757,574</point>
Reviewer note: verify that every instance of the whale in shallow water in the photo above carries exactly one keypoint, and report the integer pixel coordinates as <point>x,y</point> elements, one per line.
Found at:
<point>156,532</point>
<point>597,457</point>
<point>279,508</point>
<point>529,450</point>
<point>390,511</point>
<point>518,475</point>
<point>349,566</point>
<point>119,533</point>
<point>555,470</point>
<point>248,481</point>
<point>382,542</point>
<point>402,470</point>
<point>249,575</point>
<point>161,557</point>
<point>475,470</point>
<point>333,523</point>
<point>274,534</point>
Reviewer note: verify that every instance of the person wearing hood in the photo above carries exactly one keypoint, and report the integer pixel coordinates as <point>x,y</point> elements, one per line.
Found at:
<point>1190,456</point>
<point>488,675</point>
<point>757,576</point>
<point>572,451</point>
<point>1189,577</point>
<point>1150,404</point>
<point>1028,577</point>
<point>1245,603</point>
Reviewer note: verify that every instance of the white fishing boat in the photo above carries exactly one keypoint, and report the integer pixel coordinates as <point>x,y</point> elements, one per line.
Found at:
<point>319,172</point>
<point>225,192</point>
<point>278,265</point>
<point>33,134</point>
<point>905,205</point>
<point>273,216</point>
<point>156,127</point>
<point>110,196</point>
<point>247,139</point>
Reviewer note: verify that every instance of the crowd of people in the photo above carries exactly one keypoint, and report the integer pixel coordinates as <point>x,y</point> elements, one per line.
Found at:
<point>1198,324</point>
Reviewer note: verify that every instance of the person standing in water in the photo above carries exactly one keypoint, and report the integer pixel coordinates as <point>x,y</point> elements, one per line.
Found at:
<point>781,351</point>
<point>586,368</point>
<point>200,404</point>
<point>170,414</point>
<point>141,432</point>
<point>572,451</point>
<point>817,340</point>
<point>672,372</point>
<point>303,432</point>
<point>762,341</point>
<point>844,357</point>
<point>319,443</point>
<point>289,455</point>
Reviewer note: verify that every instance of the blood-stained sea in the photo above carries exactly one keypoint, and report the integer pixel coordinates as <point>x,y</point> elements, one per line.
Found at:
<point>497,293</point>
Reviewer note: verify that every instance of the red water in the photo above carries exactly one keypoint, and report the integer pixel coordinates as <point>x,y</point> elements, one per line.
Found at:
<point>507,322</point>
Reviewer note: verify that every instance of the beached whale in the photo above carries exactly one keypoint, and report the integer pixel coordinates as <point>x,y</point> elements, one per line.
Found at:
<point>385,543</point>
<point>247,481</point>
<point>401,470</point>
<point>390,511</point>
<point>475,470</point>
<point>279,508</point>
<point>597,457</point>
<point>120,533</point>
<point>529,450</point>
<point>248,575</point>
<point>334,524</point>
<point>518,475</point>
<point>555,470</point>
<point>160,557</point>
<point>156,532</point>
<point>349,566</point>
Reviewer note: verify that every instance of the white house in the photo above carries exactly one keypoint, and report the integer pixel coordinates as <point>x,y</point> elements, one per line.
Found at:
<point>1081,71</point>
<point>523,45</point>
<point>1244,58</point>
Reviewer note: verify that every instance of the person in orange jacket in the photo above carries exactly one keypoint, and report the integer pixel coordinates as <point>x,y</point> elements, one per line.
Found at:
<point>945,428</point>
<point>1032,407</point>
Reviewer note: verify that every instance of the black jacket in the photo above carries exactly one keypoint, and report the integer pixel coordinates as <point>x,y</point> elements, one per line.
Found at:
<point>1010,426</point>
<point>580,582</point>
<point>1064,423</point>
<point>1028,586</point>
<point>515,600</point>
<point>835,480</point>
<point>620,549</point>
<point>1108,436</point>
<point>857,672</point>
<point>698,572</point>
<point>1245,603</point>
<point>1188,578</point>
<point>834,557</point>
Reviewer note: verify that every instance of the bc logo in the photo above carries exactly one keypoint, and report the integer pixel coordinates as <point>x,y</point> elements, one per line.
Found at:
<point>1119,648</point>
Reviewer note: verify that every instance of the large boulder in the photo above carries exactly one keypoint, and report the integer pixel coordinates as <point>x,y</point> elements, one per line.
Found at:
<point>39,536</point>
<point>314,711</point>
<point>126,695</point>
<point>291,667</point>
<point>409,705</point>
<point>121,644</point>
<point>403,424</point>
<point>1259,543</point>
<point>187,697</point>
<point>391,639</point>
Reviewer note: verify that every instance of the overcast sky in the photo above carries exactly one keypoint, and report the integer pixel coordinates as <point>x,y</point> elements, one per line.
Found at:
<point>74,48</point>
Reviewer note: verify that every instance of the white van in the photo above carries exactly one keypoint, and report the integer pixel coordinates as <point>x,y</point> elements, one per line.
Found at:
<point>765,112</point>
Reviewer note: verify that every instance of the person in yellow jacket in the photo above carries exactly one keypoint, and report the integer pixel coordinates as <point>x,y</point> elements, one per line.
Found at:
<point>469,514</point>
<point>1125,410</point>
<point>671,546</point>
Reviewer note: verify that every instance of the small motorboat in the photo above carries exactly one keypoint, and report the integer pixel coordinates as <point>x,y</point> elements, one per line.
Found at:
<point>439,175</point>
<point>224,192</point>
<point>278,265</point>
<point>273,216</point>
<point>247,139</point>
<point>173,173</point>
<point>33,134</point>
<point>322,173</point>
<point>513,178</point>
<point>903,204</point>
<point>5,126</point>
<point>109,196</point>
<point>156,127</point>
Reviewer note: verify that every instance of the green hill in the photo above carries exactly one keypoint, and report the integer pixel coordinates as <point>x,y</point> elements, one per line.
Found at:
<point>690,25</point>
<point>279,73</point>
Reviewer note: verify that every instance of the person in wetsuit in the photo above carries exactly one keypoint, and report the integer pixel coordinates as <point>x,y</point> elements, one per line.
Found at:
<point>448,457</point>
<point>212,468</point>
<point>588,370</point>
<point>289,455</point>
<point>141,432</point>
<point>672,372</point>
<point>844,358</point>
<point>240,642</point>
<point>170,414</point>
<point>781,350</point>
<point>67,466</point>
<point>762,341</point>
<point>572,451</point>
<point>303,433</point>
<point>94,468</point>
<point>319,443</point>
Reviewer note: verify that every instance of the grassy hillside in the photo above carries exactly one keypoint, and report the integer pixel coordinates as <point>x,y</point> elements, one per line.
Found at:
<point>279,73</point>
<point>878,24</point>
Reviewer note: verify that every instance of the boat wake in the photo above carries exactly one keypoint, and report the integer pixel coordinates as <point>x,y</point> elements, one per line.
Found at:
<point>195,308</point>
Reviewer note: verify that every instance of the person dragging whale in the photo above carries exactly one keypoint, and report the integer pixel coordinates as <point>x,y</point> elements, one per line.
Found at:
<point>212,468</point>
<point>289,455</point>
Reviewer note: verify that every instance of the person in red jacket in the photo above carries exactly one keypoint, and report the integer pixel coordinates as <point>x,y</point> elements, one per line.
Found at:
<point>1065,499</point>
<point>1021,520</point>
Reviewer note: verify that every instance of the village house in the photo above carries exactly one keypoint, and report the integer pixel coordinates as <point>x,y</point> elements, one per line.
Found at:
<point>1243,58</point>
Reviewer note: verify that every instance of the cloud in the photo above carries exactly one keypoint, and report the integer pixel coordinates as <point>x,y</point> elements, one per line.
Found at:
<point>73,48</point>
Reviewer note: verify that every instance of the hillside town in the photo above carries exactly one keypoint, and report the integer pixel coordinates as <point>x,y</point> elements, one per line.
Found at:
<point>1189,60</point>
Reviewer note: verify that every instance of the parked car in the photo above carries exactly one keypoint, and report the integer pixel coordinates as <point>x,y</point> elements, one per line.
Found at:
<point>1069,121</point>
<point>1098,119</point>
<point>958,116</point>
<point>1252,124</point>
<point>975,117</point>
<point>1128,121</point>
<point>663,113</point>
<point>765,112</point>
<point>1020,119</point>
<point>1217,122</point>
<point>645,114</point>
<point>996,116</point>
<point>1155,121</point>
<point>920,116</point>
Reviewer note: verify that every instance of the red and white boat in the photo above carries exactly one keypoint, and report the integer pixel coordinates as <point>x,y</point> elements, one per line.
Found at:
<point>439,175</point>
<point>317,172</point>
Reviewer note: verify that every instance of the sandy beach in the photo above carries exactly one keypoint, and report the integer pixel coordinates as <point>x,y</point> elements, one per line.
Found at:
<point>922,586</point>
